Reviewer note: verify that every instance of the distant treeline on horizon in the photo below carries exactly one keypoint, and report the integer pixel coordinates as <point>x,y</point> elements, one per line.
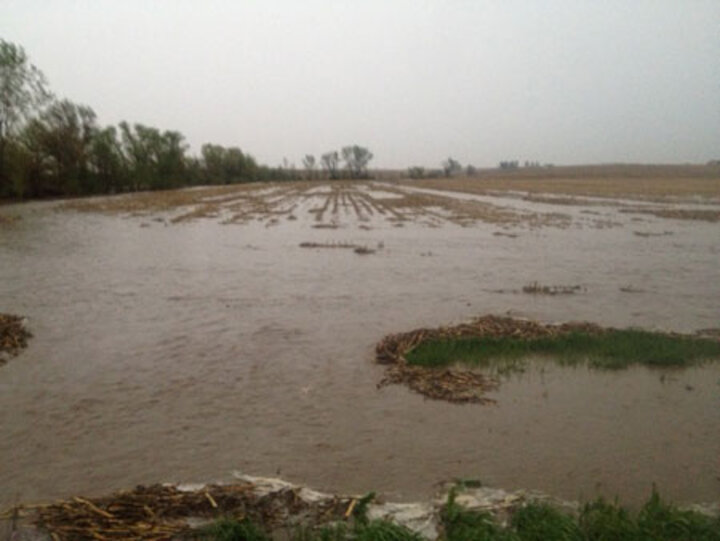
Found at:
<point>53,147</point>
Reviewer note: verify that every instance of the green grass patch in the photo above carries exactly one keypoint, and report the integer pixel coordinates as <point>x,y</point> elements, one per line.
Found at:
<point>610,349</point>
<point>540,521</point>
<point>230,529</point>
<point>596,521</point>
<point>600,520</point>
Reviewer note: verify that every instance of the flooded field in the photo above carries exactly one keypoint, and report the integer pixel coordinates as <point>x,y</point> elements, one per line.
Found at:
<point>183,336</point>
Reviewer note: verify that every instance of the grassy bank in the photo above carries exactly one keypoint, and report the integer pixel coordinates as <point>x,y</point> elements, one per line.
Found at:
<point>596,521</point>
<point>610,349</point>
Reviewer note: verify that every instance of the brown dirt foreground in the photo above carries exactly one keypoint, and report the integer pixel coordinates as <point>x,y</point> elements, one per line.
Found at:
<point>459,386</point>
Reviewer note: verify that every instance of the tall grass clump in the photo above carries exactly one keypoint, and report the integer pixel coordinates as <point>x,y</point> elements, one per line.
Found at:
<point>603,521</point>
<point>610,349</point>
<point>541,522</point>
<point>596,521</point>
<point>662,521</point>
<point>230,529</point>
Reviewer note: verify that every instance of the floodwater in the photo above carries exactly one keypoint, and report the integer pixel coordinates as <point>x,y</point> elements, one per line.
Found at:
<point>184,352</point>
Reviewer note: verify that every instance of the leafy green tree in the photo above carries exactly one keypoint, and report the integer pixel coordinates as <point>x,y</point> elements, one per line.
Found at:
<point>107,162</point>
<point>155,160</point>
<point>212,160</point>
<point>64,133</point>
<point>234,165</point>
<point>226,165</point>
<point>169,154</point>
<point>22,92</point>
<point>356,160</point>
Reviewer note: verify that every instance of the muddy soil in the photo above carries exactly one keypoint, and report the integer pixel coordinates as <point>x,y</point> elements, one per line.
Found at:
<point>181,337</point>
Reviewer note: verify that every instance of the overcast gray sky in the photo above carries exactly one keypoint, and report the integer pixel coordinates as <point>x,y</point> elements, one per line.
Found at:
<point>560,81</point>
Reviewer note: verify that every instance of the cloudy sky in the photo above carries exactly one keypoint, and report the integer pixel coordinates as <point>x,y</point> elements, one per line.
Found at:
<point>560,81</point>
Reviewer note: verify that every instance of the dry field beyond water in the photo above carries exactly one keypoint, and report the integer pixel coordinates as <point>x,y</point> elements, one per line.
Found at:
<point>183,336</point>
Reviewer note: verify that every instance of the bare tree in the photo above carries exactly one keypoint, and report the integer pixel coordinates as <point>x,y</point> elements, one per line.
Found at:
<point>356,160</point>
<point>309,163</point>
<point>330,162</point>
<point>451,167</point>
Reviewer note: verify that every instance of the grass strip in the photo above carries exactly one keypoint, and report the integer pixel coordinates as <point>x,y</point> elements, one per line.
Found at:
<point>596,521</point>
<point>535,521</point>
<point>611,349</point>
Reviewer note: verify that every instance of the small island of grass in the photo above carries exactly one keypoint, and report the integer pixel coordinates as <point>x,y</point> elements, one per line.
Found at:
<point>613,348</point>
<point>426,360</point>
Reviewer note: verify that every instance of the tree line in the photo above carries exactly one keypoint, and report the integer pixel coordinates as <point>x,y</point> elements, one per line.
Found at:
<point>55,147</point>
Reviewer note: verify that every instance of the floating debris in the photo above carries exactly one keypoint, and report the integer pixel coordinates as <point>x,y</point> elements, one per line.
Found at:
<point>631,289</point>
<point>536,288</point>
<point>165,511</point>
<point>13,336</point>
<point>647,234</point>
<point>329,245</point>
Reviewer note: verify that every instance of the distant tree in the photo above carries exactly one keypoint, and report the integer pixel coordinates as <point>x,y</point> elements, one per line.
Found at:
<point>451,167</point>
<point>156,160</point>
<point>234,165</point>
<point>106,161</point>
<point>226,165</point>
<point>356,160</point>
<point>170,159</point>
<point>212,162</point>
<point>63,135</point>
<point>330,162</point>
<point>470,170</point>
<point>22,92</point>
<point>509,164</point>
<point>416,172</point>
<point>309,163</point>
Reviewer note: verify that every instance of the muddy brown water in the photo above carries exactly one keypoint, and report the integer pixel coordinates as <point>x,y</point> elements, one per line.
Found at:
<point>182,353</point>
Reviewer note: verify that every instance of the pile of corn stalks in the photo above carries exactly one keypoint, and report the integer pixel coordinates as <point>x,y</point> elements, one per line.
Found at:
<point>13,335</point>
<point>459,386</point>
<point>161,512</point>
